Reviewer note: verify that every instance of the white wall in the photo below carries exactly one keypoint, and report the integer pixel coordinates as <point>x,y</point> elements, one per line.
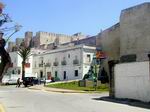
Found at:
<point>132,80</point>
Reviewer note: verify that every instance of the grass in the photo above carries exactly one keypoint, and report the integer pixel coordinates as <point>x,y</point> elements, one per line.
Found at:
<point>74,86</point>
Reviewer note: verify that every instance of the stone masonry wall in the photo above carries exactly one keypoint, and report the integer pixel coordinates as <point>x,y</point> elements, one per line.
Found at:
<point>135,31</point>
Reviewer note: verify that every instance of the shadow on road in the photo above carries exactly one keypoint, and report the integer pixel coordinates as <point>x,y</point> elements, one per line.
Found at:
<point>130,102</point>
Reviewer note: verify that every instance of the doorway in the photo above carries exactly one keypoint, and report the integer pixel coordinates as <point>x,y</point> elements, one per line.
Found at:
<point>64,75</point>
<point>41,74</point>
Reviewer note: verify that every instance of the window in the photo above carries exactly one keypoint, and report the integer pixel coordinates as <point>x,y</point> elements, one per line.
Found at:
<point>18,71</point>
<point>41,60</point>
<point>55,73</point>
<point>76,73</point>
<point>88,58</point>
<point>13,71</point>
<point>68,55</point>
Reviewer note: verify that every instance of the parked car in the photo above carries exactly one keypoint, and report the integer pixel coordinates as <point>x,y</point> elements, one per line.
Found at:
<point>29,81</point>
<point>12,81</point>
<point>5,81</point>
<point>48,80</point>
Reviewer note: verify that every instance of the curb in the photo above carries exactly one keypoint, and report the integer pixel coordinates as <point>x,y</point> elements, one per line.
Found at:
<point>65,91</point>
<point>2,109</point>
<point>60,91</point>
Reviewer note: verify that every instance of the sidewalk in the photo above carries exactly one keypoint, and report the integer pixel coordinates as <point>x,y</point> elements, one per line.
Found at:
<point>42,87</point>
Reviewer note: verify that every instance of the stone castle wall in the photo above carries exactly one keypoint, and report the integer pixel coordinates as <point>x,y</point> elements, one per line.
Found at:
<point>135,31</point>
<point>130,36</point>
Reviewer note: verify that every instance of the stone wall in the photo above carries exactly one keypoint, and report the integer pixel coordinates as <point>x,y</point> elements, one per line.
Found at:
<point>109,41</point>
<point>135,31</point>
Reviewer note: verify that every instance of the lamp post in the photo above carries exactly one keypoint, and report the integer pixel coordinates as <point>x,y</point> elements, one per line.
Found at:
<point>95,71</point>
<point>44,65</point>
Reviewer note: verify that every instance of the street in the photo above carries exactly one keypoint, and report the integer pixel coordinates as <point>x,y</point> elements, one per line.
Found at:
<point>26,100</point>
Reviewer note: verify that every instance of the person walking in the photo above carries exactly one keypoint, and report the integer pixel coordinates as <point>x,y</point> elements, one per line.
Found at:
<point>18,83</point>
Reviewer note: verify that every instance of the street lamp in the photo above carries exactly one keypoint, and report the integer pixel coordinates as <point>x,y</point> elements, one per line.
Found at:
<point>95,71</point>
<point>44,65</point>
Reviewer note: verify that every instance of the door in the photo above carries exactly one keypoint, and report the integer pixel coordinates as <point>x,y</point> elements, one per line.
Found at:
<point>64,75</point>
<point>41,74</point>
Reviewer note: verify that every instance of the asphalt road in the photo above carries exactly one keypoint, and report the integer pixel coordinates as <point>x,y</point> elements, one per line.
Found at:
<point>25,100</point>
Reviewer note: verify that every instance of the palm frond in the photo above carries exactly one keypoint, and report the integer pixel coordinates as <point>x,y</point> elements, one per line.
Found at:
<point>24,53</point>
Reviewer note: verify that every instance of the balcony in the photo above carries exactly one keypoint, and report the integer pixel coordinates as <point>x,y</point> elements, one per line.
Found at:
<point>55,63</point>
<point>47,64</point>
<point>64,62</point>
<point>76,62</point>
<point>41,65</point>
<point>27,65</point>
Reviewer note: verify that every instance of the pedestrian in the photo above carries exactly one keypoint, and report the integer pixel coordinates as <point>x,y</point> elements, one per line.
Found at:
<point>44,81</point>
<point>18,83</point>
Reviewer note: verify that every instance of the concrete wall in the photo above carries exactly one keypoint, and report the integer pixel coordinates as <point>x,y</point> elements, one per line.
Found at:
<point>132,80</point>
<point>135,31</point>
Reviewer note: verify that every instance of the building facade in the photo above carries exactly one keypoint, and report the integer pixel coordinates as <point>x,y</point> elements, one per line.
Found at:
<point>68,63</point>
<point>16,66</point>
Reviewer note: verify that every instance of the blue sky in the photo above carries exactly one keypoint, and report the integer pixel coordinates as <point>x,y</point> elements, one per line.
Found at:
<point>66,16</point>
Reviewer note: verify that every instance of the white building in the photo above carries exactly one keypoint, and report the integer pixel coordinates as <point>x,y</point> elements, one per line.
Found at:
<point>16,68</point>
<point>68,63</point>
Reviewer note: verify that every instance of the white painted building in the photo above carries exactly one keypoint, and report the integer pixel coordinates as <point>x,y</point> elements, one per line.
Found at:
<point>16,68</point>
<point>66,63</point>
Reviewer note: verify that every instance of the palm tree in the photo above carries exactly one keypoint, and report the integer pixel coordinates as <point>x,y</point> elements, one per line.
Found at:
<point>24,52</point>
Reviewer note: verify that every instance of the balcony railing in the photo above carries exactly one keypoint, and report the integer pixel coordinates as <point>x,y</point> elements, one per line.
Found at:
<point>64,62</point>
<point>41,65</point>
<point>55,63</point>
<point>47,64</point>
<point>27,65</point>
<point>76,62</point>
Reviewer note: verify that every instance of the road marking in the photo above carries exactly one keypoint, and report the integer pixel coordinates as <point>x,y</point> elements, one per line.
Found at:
<point>2,109</point>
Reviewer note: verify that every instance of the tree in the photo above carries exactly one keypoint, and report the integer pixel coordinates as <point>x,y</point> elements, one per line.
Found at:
<point>5,60</point>
<point>4,56</point>
<point>24,53</point>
